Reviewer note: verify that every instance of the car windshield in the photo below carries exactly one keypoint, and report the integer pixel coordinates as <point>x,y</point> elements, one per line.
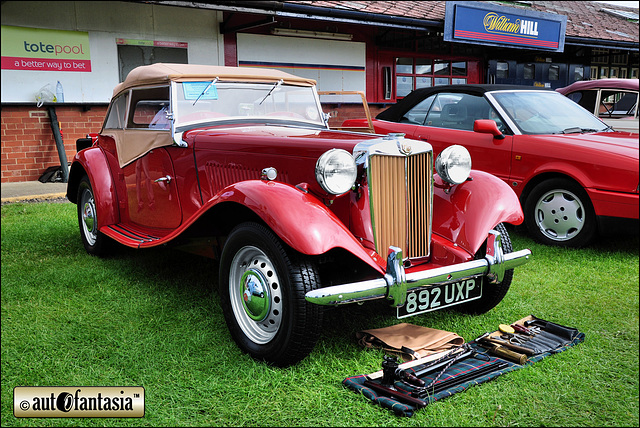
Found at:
<point>546,112</point>
<point>204,102</point>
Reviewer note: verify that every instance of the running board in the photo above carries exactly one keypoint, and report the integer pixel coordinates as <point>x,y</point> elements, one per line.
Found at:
<point>131,235</point>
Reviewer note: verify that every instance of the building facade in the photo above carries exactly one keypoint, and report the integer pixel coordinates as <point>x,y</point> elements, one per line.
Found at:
<point>62,59</point>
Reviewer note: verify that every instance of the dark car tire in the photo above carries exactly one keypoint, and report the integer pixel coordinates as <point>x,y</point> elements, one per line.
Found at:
<point>262,288</point>
<point>95,242</point>
<point>492,294</point>
<point>558,212</point>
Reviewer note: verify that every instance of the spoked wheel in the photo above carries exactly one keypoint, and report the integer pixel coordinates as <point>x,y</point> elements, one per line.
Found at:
<point>492,294</point>
<point>262,288</point>
<point>559,212</point>
<point>94,242</point>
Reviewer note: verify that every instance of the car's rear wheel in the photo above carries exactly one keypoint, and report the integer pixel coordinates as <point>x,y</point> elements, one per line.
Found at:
<point>262,290</point>
<point>492,294</point>
<point>559,212</point>
<point>95,242</point>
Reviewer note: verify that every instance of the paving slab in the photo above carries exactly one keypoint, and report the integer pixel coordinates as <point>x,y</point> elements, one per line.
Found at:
<point>29,190</point>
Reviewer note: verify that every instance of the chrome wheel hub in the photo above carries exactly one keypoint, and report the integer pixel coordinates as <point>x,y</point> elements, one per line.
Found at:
<point>560,215</point>
<point>89,217</point>
<point>255,294</point>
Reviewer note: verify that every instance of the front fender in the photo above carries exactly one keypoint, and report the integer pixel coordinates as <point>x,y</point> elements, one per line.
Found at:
<point>300,219</point>
<point>470,210</point>
<point>93,162</point>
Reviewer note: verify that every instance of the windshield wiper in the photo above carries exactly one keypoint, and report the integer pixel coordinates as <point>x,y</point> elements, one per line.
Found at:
<point>578,130</point>
<point>574,130</point>
<point>213,82</point>
<point>275,85</point>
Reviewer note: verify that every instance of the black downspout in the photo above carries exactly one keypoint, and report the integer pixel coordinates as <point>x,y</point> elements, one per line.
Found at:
<point>57,135</point>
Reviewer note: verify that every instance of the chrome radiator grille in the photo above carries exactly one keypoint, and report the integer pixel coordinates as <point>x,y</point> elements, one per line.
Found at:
<point>400,194</point>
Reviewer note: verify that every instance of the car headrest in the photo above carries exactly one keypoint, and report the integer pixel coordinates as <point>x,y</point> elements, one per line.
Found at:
<point>453,112</point>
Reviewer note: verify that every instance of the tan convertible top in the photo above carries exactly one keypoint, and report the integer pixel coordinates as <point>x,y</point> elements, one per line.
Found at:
<point>165,72</point>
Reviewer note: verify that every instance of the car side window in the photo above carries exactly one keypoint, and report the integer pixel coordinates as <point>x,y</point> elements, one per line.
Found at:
<point>460,111</point>
<point>418,113</point>
<point>117,112</point>
<point>618,104</point>
<point>149,109</point>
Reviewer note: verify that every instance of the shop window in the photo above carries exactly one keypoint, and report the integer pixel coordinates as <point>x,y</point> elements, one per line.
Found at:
<point>619,58</point>
<point>578,73</point>
<point>554,72</point>
<point>502,70</point>
<point>604,72</point>
<point>459,69</point>
<point>416,73</point>
<point>404,65</point>
<point>131,56</point>
<point>423,66</point>
<point>441,68</point>
<point>634,73</point>
<point>423,82</point>
<point>404,85</point>
<point>600,56</point>
<point>529,71</point>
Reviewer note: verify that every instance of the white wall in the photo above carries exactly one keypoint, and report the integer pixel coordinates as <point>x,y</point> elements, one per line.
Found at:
<point>105,21</point>
<point>335,65</point>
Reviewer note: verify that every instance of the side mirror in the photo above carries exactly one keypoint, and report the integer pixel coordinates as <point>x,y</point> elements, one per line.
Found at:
<point>488,126</point>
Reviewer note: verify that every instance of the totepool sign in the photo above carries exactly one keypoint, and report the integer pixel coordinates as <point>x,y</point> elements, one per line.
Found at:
<point>45,50</point>
<point>486,24</point>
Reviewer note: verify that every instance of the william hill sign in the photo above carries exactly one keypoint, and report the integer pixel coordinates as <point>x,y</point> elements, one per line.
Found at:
<point>487,24</point>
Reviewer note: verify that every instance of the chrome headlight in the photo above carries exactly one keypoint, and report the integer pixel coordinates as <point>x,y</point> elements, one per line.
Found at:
<point>454,164</point>
<point>336,171</point>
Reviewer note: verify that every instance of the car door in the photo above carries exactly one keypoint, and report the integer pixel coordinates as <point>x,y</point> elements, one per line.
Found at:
<point>150,179</point>
<point>450,121</point>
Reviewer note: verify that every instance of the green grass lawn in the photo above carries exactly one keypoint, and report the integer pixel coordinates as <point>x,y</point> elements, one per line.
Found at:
<point>151,318</point>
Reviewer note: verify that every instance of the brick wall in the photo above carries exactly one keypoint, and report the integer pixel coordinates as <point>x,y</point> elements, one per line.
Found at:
<point>28,145</point>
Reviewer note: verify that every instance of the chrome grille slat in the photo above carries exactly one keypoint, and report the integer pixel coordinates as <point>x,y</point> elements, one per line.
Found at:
<point>400,196</point>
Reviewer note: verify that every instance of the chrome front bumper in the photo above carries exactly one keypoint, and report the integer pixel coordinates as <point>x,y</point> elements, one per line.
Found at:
<point>396,283</point>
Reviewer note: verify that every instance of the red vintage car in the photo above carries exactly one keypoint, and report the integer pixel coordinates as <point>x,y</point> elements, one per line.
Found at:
<point>239,164</point>
<point>576,178</point>
<point>615,101</point>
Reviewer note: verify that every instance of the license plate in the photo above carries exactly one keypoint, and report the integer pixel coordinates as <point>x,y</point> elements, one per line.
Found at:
<point>440,296</point>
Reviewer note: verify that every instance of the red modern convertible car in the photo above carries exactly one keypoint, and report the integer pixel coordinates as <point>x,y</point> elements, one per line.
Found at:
<point>574,176</point>
<point>239,164</point>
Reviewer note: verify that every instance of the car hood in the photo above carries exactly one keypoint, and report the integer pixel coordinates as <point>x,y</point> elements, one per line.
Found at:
<point>620,143</point>
<point>278,139</point>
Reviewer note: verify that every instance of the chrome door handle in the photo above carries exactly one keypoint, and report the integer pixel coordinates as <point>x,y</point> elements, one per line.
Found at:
<point>166,178</point>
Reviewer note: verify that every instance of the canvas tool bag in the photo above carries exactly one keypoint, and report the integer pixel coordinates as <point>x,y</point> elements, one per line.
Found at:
<point>409,341</point>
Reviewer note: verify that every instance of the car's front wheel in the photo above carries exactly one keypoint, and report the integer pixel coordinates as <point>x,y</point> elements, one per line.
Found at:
<point>93,240</point>
<point>492,294</point>
<point>262,289</point>
<point>559,212</point>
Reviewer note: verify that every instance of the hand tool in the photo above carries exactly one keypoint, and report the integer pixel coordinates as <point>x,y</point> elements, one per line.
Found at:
<point>392,392</point>
<point>414,363</point>
<point>443,362</point>
<point>460,379</point>
<point>521,349</point>
<point>507,354</point>
<point>391,373</point>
